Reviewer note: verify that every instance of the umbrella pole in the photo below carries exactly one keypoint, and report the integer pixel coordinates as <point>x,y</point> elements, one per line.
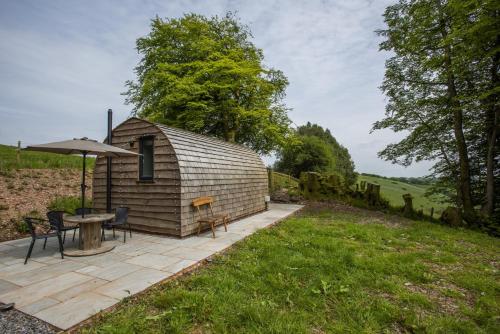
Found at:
<point>83,184</point>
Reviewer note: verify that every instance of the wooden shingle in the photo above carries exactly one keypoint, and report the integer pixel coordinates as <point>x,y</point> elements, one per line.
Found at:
<point>187,166</point>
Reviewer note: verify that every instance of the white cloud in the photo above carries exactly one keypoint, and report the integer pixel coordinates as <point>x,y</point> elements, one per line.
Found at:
<point>63,64</point>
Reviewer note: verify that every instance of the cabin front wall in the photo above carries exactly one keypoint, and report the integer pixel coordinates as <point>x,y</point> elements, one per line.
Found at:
<point>154,206</point>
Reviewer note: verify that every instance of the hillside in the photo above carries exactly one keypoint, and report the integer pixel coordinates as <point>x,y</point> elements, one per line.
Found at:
<point>38,160</point>
<point>27,186</point>
<point>393,191</point>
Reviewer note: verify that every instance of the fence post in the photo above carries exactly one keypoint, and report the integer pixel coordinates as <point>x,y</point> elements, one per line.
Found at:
<point>408,208</point>
<point>18,152</point>
<point>432,212</point>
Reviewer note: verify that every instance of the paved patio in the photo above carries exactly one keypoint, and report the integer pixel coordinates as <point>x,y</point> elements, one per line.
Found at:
<point>66,292</point>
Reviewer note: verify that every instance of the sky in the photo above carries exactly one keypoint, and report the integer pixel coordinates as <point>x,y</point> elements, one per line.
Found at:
<point>64,63</point>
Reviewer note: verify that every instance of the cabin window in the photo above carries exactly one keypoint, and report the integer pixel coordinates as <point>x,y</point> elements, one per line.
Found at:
<point>146,160</point>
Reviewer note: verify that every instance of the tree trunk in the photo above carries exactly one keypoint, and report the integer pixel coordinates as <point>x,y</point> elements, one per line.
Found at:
<point>231,136</point>
<point>492,118</point>
<point>229,128</point>
<point>463,156</point>
<point>461,145</point>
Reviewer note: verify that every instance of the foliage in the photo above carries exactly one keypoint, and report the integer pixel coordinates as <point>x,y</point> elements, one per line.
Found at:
<point>21,226</point>
<point>308,154</point>
<point>205,75</point>
<point>325,272</point>
<point>316,150</point>
<point>283,181</point>
<point>68,203</point>
<point>342,162</point>
<point>318,186</point>
<point>38,160</point>
<point>443,87</point>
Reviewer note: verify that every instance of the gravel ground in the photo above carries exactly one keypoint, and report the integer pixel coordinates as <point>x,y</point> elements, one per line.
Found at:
<point>16,322</point>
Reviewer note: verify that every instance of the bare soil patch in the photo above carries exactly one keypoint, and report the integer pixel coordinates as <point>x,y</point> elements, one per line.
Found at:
<point>29,191</point>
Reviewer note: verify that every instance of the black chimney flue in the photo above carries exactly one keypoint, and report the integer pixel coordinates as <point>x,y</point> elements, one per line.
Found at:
<point>109,141</point>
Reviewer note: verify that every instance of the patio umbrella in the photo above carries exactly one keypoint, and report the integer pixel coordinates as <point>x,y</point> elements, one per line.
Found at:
<point>85,147</point>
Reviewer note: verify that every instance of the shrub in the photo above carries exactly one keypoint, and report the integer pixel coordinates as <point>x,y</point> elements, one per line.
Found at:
<point>21,226</point>
<point>68,203</point>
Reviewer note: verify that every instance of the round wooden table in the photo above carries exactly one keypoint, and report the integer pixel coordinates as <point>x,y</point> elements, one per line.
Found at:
<point>89,236</point>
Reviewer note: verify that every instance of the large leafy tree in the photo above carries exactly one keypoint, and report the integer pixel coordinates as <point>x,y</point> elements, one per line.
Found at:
<point>304,154</point>
<point>205,75</point>
<point>442,85</point>
<point>316,150</point>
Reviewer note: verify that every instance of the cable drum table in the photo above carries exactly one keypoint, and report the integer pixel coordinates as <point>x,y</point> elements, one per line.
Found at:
<point>89,242</point>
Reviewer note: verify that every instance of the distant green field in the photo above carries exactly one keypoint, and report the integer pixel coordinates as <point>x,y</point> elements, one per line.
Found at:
<point>38,160</point>
<point>393,191</point>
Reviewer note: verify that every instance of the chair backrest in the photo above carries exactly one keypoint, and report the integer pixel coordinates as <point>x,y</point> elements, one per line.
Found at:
<point>56,218</point>
<point>121,215</point>
<point>201,201</point>
<point>32,225</point>
<point>80,211</point>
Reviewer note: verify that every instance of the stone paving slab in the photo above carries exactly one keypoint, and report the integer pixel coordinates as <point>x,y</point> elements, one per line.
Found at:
<point>131,284</point>
<point>64,292</point>
<point>75,310</point>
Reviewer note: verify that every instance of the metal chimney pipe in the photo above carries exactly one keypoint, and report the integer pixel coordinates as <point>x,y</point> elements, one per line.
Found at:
<point>109,141</point>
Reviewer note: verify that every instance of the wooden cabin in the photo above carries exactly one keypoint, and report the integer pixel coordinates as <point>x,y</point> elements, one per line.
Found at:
<point>175,167</point>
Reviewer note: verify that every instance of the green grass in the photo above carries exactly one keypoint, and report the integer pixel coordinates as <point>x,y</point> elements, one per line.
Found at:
<point>281,180</point>
<point>393,191</point>
<point>38,160</point>
<point>330,271</point>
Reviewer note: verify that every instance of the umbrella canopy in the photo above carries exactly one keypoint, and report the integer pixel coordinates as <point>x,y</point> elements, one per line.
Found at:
<point>85,147</point>
<point>82,146</point>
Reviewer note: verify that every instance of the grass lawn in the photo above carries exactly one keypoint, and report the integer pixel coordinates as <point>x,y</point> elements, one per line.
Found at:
<point>393,191</point>
<point>335,269</point>
<point>38,160</point>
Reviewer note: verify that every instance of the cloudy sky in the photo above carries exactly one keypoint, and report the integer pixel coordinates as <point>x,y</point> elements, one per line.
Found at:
<point>64,63</point>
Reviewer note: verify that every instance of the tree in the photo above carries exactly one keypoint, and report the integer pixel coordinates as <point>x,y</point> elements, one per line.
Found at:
<point>316,150</point>
<point>205,75</point>
<point>477,26</point>
<point>442,85</point>
<point>308,154</point>
<point>342,161</point>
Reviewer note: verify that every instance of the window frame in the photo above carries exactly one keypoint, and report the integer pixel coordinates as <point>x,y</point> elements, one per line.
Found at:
<point>141,158</point>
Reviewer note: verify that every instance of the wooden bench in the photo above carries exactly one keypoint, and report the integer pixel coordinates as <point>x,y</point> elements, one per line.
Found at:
<point>209,218</point>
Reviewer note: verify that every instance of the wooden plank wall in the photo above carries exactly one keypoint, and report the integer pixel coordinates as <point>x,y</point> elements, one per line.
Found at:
<point>234,175</point>
<point>187,166</point>
<point>154,206</point>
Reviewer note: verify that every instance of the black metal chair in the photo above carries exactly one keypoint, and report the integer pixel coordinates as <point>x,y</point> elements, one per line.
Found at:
<point>56,218</point>
<point>79,211</point>
<point>121,219</point>
<point>52,230</point>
